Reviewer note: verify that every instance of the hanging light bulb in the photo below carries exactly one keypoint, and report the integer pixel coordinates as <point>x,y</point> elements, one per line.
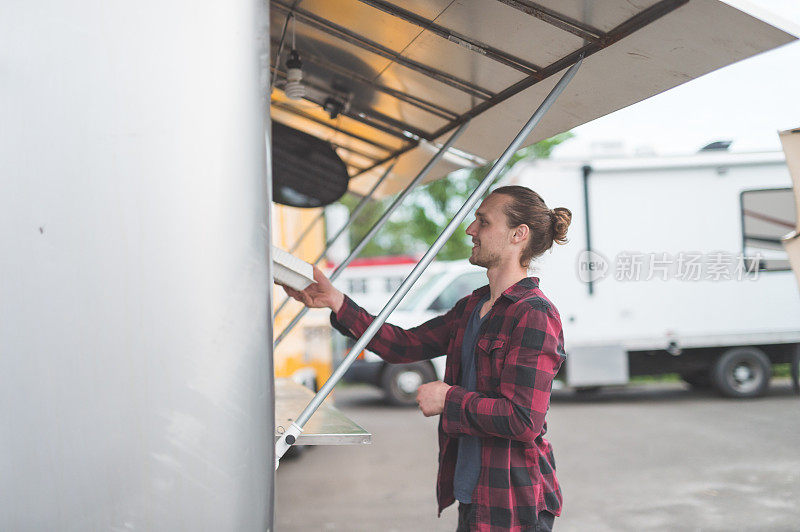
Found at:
<point>294,89</point>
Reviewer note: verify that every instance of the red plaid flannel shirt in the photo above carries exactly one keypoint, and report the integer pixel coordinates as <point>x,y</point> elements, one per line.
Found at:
<point>519,351</point>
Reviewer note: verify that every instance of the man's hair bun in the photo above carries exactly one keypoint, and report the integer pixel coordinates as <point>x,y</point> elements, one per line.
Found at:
<point>562,217</point>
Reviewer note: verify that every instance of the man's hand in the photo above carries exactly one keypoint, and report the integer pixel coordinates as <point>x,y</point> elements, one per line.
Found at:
<point>319,294</point>
<point>430,397</point>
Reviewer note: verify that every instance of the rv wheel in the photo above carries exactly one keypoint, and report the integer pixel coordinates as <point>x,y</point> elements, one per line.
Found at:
<point>742,372</point>
<point>400,382</point>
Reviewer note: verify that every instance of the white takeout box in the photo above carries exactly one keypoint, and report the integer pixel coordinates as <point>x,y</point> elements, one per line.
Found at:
<point>291,271</point>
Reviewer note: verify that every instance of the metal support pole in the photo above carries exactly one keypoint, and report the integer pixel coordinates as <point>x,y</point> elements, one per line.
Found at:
<point>350,220</point>
<point>377,226</point>
<point>296,428</point>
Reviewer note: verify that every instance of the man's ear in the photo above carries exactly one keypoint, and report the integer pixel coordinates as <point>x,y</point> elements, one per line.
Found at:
<point>520,233</point>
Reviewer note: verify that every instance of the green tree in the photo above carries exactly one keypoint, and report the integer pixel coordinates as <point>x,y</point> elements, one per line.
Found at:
<point>428,209</point>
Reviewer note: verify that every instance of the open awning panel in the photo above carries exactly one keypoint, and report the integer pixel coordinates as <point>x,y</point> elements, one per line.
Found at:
<point>408,73</point>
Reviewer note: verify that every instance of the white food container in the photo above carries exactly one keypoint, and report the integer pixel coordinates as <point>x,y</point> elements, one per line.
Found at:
<point>290,271</point>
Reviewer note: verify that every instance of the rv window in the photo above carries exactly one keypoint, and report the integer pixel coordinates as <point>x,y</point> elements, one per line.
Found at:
<point>393,283</point>
<point>767,215</point>
<point>463,285</point>
<point>358,285</point>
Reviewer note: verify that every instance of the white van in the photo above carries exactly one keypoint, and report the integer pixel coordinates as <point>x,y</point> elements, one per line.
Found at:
<point>445,283</point>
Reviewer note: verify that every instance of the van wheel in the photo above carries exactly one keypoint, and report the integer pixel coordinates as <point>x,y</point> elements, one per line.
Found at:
<point>742,372</point>
<point>401,381</point>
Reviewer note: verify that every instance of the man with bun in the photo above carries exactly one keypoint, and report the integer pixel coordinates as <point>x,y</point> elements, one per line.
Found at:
<point>504,346</point>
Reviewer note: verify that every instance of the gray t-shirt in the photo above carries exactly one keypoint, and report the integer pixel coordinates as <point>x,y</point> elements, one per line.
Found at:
<point>468,462</point>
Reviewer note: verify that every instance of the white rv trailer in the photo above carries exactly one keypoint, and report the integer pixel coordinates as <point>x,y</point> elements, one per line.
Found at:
<point>679,264</point>
<point>653,279</point>
<point>135,300</point>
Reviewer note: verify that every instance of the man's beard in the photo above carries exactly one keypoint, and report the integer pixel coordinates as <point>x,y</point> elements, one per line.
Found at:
<point>487,260</point>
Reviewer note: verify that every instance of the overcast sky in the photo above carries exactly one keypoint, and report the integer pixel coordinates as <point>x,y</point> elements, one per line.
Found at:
<point>747,102</point>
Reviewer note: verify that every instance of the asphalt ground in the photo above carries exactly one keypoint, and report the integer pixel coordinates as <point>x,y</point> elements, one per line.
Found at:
<point>650,457</point>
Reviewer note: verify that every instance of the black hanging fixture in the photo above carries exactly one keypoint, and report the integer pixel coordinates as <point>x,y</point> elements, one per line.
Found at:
<point>306,171</point>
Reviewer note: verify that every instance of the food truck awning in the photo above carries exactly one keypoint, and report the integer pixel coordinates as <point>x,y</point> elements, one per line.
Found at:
<point>398,77</point>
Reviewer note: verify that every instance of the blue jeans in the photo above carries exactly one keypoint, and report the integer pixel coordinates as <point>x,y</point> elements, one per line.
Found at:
<point>466,518</point>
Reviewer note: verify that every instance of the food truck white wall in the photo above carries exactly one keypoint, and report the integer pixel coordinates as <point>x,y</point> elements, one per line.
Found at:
<point>133,274</point>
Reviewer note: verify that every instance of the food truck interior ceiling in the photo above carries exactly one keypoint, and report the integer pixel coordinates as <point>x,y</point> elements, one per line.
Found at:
<point>402,77</point>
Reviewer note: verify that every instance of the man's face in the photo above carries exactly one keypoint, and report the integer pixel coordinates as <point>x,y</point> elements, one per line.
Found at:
<point>491,236</point>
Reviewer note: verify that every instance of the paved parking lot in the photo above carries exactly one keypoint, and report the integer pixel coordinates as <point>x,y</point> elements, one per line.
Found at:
<point>656,457</point>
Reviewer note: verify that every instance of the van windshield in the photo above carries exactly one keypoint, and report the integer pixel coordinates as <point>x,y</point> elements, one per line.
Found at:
<point>460,287</point>
<point>420,290</point>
